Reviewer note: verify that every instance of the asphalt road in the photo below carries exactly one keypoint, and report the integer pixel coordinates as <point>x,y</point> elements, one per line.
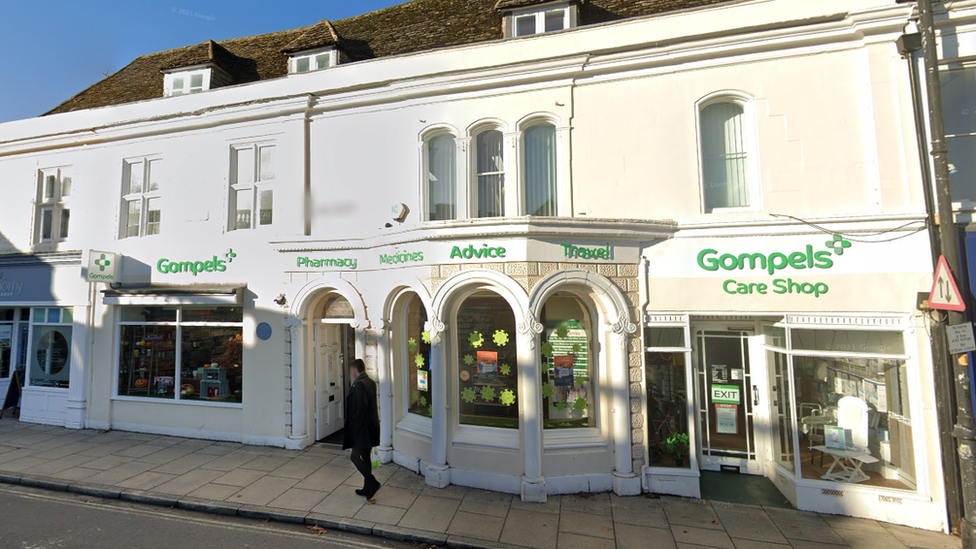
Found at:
<point>38,519</point>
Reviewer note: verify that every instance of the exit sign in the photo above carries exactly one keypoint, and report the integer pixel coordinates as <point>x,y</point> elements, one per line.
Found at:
<point>726,394</point>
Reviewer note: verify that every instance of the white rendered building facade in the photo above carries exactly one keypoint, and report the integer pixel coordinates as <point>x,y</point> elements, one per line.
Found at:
<point>556,252</point>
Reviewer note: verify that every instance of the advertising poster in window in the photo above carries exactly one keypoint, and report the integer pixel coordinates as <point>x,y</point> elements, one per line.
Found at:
<point>726,419</point>
<point>6,335</point>
<point>422,380</point>
<point>563,366</point>
<point>487,366</point>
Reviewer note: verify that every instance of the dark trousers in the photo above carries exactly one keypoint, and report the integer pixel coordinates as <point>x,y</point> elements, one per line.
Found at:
<point>360,458</point>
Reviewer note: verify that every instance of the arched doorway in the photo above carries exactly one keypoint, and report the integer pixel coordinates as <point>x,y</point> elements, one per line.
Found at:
<point>333,347</point>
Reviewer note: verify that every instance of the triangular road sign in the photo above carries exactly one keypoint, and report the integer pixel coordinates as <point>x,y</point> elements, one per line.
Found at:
<point>945,293</point>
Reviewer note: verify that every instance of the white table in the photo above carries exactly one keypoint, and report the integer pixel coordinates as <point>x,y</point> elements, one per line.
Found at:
<point>847,464</point>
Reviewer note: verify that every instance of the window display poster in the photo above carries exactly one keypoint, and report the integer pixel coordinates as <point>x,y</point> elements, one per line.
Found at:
<point>726,419</point>
<point>6,335</point>
<point>720,372</point>
<point>835,437</point>
<point>487,366</point>
<point>564,370</point>
<point>422,380</point>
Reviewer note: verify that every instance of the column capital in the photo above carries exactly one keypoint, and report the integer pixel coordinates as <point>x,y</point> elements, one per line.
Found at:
<point>435,327</point>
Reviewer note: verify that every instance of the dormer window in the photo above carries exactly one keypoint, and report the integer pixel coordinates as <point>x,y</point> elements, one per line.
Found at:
<point>184,82</point>
<point>539,18</point>
<point>313,61</point>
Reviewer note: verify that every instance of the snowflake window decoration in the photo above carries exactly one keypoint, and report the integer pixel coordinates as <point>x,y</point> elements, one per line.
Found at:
<point>412,345</point>
<point>505,369</point>
<point>476,339</point>
<point>547,348</point>
<point>487,394</point>
<point>500,338</point>
<point>560,406</point>
<point>577,348</point>
<point>419,360</point>
<point>469,360</point>
<point>580,405</point>
<point>414,395</point>
<point>562,332</point>
<point>467,395</point>
<point>423,401</point>
<point>507,397</point>
<point>425,336</point>
<point>548,390</point>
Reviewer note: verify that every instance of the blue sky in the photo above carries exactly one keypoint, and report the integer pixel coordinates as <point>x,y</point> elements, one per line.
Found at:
<point>54,49</point>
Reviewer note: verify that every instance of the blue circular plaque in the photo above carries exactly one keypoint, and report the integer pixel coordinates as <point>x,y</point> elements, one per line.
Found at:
<point>263,331</point>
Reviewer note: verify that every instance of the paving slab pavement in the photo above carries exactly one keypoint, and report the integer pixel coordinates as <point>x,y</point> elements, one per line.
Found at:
<point>315,487</point>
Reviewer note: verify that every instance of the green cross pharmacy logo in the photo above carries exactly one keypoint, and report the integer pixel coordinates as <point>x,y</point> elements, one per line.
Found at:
<point>838,244</point>
<point>102,262</point>
<point>229,255</point>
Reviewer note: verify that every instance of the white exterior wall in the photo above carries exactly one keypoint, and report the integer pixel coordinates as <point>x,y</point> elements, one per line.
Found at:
<point>831,106</point>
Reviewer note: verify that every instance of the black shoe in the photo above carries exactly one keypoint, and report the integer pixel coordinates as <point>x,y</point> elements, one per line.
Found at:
<point>371,490</point>
<point>361,491</point>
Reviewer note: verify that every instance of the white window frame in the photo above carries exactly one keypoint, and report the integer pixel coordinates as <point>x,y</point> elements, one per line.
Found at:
<point>148,163</point>
<point>460,191</point>
<point>751,139</point>
<point>539,13</point>
<point>256,186</point>
<point>312,57</point>
<point>179,324</point>
<point>56,205</point>
<point>562,194</point>
<point>184,78</point>
<point>510,200</point>
<point>30,341</point>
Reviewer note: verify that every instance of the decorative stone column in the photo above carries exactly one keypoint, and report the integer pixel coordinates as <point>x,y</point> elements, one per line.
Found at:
<point>626,482</point>
<point>438,474</point>
<point>380,336</point>
<point>533,482</point>
<point>299,386</point>
<point>76,411</point>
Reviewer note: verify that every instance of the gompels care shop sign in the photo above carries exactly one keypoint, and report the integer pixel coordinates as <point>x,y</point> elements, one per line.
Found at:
<point>801,273</point>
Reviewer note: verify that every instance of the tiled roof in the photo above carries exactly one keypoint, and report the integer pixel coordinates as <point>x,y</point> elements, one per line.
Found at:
<point>413,26</point>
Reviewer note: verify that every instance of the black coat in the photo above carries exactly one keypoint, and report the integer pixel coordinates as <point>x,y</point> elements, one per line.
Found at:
<point>362,429</point>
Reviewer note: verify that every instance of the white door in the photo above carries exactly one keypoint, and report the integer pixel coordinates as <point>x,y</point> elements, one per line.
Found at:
<point>329,388</point>
<point>730,389</point>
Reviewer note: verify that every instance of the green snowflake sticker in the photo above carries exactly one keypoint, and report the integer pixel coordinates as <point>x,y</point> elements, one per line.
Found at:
<point>547,390</point>
<point>487,394</point>
<point>423,401</point>
<point>500,338</point>
<point>476,339</point>
<point>430,411</point>
<point>547,348</point>
<point>469,360</point>
<point>414,395</point>
<point>577,348</point>
<point>467,395</point>
<point>412,345</point>
<point>580,405</point>
<point>419,360</point>
<point>505,369</point>
<point>560,406</point>
<point>507,397</point>
<point>562,332</point>
<point>425,335</point>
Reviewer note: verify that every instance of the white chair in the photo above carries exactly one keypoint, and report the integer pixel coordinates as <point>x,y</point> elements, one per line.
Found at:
<point>852,416</point>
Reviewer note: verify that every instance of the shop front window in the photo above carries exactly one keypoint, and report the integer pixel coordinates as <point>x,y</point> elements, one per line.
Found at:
<point>487,362</point>
<point>667,397</point>
<point>569,398</point>
<point>50,356</point>
<point>206,365</point>
<point>417,357</point>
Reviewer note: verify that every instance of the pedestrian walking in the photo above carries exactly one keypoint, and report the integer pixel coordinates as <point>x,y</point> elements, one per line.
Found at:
<point>362,430</point>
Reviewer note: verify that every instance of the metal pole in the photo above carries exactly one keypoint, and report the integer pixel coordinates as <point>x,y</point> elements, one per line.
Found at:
<point>964,429</point>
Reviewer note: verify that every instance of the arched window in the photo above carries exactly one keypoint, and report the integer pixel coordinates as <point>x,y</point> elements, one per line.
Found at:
<point>489,174</point>
<point>487,362</point>
<point>726,174</point>
<point>441,178</point>
<point>569,372</point>
<point>412,339</point>
<point>539,145</point>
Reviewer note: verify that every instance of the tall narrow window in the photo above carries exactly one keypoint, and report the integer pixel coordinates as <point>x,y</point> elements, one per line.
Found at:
<point>540,170</point>
<point>441,178</point>
<point>488,385</point>
<point>490,174</point>
<point>725,156</point>
<point>53,212</point>
<point>141,202</point>
<point>252,195</point>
